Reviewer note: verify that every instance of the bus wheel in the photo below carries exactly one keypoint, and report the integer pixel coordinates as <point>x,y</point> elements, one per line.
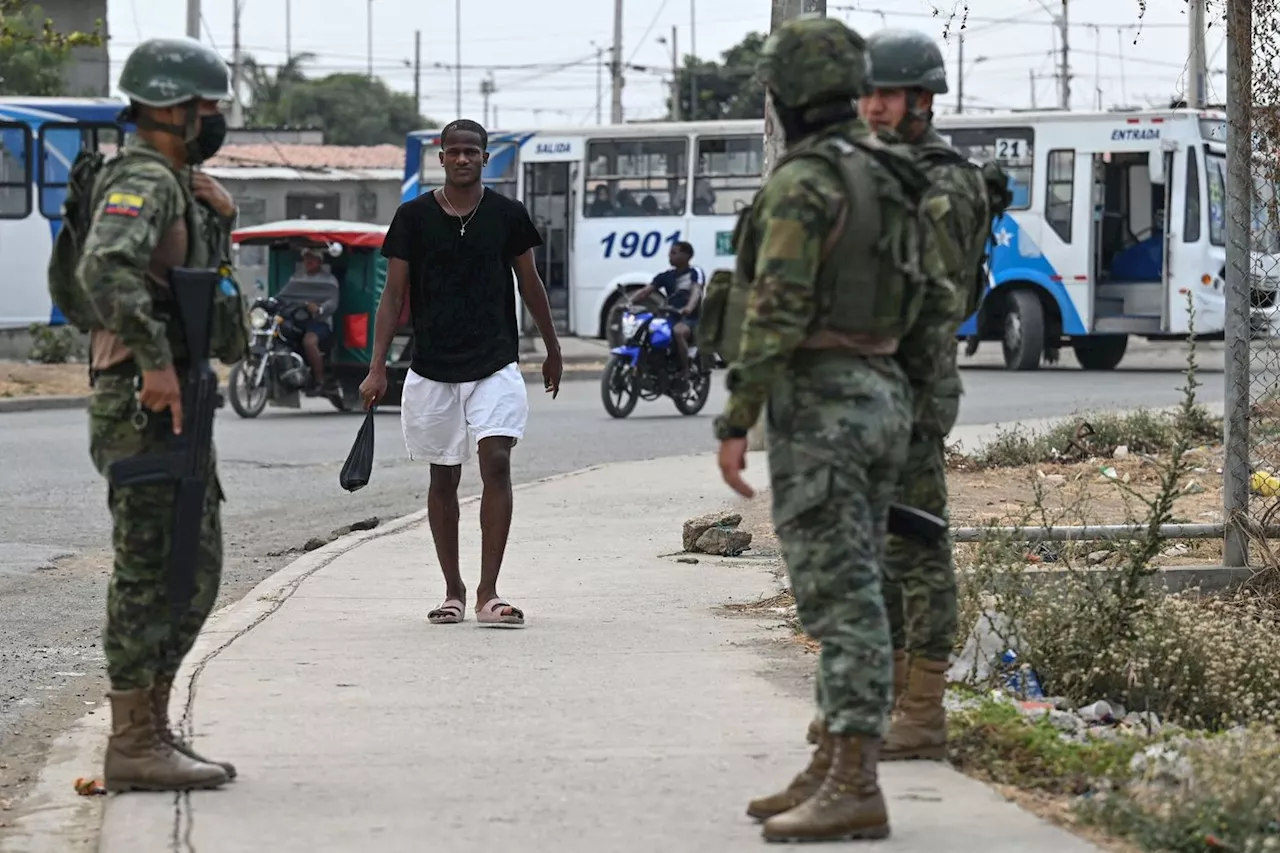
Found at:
<point>1101,352</point>
<point>1023,341</point>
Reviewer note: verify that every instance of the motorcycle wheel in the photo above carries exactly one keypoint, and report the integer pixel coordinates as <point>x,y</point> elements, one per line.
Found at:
<point>695,396</point>
<point>248,402</point>
<point>618,388</point>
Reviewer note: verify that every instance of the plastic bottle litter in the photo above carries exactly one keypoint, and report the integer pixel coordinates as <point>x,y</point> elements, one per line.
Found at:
<point>1022,680</point>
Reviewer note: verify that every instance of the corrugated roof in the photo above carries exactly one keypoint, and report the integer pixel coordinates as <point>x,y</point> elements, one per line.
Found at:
<point>311,156</point>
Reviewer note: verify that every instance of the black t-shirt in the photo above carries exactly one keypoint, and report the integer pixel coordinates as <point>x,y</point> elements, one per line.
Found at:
<point>462,297</point>
<point>678,286</point>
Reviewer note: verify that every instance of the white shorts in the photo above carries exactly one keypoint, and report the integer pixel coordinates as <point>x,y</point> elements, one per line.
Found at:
<point>437,416</point>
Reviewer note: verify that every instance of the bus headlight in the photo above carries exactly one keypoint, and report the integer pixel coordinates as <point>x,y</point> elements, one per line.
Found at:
<point>258,318</point>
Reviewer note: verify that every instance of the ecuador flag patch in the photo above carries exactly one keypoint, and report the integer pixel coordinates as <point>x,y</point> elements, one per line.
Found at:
<point>123,204</point>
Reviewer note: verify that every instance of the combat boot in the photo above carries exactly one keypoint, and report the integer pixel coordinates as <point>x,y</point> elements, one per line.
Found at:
<point>804,785</point>
<point>138,760</point>
<point>160,692</point>
<point>848,804</point>
<point>918,729</point>
<point>900,666</point>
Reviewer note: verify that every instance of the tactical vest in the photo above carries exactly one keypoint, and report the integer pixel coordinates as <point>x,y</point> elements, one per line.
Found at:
<point>969,268</point>
<point>206,246</point>
<point>869,282</point>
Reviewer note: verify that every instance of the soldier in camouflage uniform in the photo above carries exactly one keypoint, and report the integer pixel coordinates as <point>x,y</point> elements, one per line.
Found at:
<point>824,318</point>
<point>152,213</point>
<point>907,72</point>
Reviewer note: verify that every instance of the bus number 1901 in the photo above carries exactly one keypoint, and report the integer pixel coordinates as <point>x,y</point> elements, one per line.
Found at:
<point>631,242</point>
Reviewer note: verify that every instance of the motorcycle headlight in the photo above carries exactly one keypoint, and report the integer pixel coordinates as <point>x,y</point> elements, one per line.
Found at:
<point>629,325</point>
<point>258,318</point>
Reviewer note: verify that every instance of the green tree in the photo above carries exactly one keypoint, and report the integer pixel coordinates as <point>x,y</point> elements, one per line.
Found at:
<point>350,108</point>
<point>727,89</point>
<point>33,56</point>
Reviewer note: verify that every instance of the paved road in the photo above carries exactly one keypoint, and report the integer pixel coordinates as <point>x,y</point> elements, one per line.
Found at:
<point>280,473</point>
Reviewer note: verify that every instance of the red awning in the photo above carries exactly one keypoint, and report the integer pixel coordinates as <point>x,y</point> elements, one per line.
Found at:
<point>321,233</point>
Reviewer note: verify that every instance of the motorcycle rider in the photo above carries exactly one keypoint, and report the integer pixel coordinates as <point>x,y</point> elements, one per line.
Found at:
<point>317,289</point>
<point>682,286</point>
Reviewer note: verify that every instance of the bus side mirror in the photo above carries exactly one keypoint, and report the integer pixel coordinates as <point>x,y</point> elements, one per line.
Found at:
<point>1155,166</point>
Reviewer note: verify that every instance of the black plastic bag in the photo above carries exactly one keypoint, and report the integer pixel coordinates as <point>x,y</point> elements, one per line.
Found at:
<point>359,465</point>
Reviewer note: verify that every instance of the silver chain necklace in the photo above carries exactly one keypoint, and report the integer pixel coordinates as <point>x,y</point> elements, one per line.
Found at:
<point>462,232</point>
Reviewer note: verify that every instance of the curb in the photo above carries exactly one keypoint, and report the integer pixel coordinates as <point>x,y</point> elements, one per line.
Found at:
<point>42,404</point>
<point>55,819</point>
<point>576,369</point>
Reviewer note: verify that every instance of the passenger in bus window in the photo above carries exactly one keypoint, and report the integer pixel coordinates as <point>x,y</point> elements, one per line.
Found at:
<point>649,205</point>
<point>602,204</point>
<point>627,205</point>
<point>704,198</point>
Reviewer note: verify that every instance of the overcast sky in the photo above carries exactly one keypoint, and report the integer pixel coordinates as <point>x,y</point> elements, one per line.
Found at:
<point>542,55</point>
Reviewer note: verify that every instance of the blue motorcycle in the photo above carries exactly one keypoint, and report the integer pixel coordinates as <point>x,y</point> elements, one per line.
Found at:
<point>647,366</point>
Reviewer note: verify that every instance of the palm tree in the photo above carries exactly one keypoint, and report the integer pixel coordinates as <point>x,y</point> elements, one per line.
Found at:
<point>268,93</point>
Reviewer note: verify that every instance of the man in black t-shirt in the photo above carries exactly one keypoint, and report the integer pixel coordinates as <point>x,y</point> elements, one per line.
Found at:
<point>453,252</point>
<point>682,286</point>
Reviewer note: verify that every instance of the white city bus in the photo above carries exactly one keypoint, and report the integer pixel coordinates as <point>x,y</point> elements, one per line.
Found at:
<point>1117,218</point>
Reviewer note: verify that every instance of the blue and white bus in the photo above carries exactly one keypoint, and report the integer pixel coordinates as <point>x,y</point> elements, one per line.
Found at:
<point>1117,218</point>
<point>39,139</point>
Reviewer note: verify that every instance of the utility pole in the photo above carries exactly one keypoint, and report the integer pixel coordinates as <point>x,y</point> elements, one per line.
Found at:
<point>675,74</point>
<point>616,112</point>
<point>193,19</point>
<point>457,54</point>
<point>693,52</point>
<point>369,33</point>
<point>960,77</point>
<point>1197,72</point>
<point>774,139</point>
<point>486,89</point>
<point>1065,101</point>
<point>237,110</point>
<point>1032,73</point>
<point>417,71</point>
<point>288,30</point>
<point>599,86</point>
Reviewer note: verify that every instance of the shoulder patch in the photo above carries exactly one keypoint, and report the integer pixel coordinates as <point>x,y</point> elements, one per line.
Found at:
<point>123,204</point>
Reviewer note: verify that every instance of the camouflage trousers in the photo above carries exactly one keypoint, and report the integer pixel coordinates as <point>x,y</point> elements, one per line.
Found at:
<point>920,580</point>
<point>837,434</point>
<point>142,640</point>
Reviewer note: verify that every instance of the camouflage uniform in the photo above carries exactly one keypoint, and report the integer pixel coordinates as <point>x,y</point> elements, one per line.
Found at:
<point>920,584</point>
<point>145,223</point>
<point>838,417</point>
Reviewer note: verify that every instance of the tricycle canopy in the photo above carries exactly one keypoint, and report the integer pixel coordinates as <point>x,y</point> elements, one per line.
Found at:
<point>353,256</point>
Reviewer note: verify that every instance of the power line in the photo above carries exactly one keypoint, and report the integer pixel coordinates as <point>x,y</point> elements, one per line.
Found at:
<point>981,20</point>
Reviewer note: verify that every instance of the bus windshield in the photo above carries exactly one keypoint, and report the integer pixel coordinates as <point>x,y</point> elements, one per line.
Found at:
<point>1216,166</point>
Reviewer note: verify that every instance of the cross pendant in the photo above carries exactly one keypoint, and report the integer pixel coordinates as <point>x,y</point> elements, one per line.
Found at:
<point>462,232</point>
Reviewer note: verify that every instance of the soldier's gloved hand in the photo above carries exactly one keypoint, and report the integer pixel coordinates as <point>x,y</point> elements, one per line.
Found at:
<point>212,193</point>
<point>161,391</point>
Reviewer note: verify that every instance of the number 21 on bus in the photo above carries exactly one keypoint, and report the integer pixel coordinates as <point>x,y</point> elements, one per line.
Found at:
<point>631,242</point>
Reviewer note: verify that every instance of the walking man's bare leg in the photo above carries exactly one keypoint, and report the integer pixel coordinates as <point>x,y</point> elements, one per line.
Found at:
<point>495,526</point>
<point>442,514</point>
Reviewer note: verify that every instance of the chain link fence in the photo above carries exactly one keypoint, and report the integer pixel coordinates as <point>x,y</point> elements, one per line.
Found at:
<point>1250,217</point>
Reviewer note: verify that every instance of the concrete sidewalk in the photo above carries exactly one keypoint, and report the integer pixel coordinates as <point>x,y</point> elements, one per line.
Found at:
<point>630,715</point>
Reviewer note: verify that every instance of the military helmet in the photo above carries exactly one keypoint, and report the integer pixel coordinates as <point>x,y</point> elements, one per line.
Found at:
<point>906,59</point>
<point>814,60</point>
<point>169,71</point>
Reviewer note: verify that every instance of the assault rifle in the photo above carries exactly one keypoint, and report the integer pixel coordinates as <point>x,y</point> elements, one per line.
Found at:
<point>186,460</point>
<point>919,526</point>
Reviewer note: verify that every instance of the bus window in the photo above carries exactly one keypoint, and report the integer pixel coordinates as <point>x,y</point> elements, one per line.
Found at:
<point>500,174</point>
<point>728,174</point>
<point>1215,166</point>
<point>59,145</point>
<point>1266,221</point>
<point>15,171</point>
<point>636,177</point>
<point>431,173</point>
<point>1059,192</point>
<point>1013,148</point>
<point>1191,216</point>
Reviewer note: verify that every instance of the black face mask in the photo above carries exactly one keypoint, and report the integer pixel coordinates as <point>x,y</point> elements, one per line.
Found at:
<point>213,132</point>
